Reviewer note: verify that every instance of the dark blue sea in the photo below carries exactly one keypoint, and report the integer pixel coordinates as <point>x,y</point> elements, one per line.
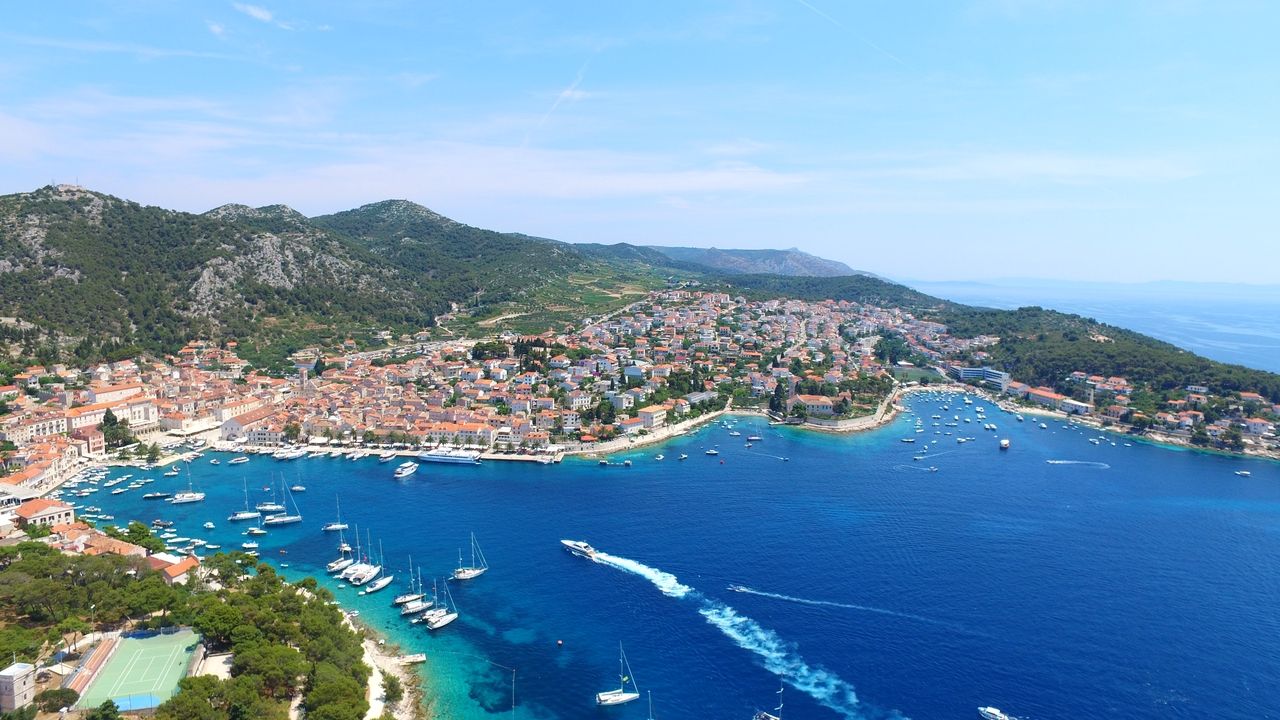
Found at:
<point>1060,579</point>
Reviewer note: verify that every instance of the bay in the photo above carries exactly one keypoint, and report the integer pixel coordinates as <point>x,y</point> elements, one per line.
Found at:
<point>1117,580</point>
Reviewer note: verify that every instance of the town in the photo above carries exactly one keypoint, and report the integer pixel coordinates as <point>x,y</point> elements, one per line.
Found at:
<point>640,375</point>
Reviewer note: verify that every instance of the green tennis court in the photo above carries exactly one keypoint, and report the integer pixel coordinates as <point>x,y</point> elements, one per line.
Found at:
<point>143,672</point>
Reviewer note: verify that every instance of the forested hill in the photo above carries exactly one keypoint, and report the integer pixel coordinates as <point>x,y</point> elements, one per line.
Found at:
<point>1042,347</point>
<point>791,262</point>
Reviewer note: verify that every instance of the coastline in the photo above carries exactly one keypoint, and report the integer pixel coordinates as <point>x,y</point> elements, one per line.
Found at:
<point>383,659</point>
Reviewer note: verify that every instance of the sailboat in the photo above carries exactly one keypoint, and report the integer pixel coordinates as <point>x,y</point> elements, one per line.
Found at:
<point>762,715</point>
<point>416,604</point>
<point>383,581</point>
<point>474,571</point>
<point>246,513</point>
<point>284,518</point>
<point>620,696</point>
<point>190,496</point>
<point>344,560</point>
<point>444,615</point>
<point>415,591</point>
<point>271,506</point>
<point>336,524</point>
<point>650,705</point>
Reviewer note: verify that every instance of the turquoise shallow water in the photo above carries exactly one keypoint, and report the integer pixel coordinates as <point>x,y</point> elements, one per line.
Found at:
<point>1115,581</point>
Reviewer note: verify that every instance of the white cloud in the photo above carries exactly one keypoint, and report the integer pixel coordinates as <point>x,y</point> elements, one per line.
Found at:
<point>216,28</point>
<point>257,12</point>
<point>1033,166</point>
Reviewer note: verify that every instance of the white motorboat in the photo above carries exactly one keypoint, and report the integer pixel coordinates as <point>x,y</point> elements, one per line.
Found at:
<point>405,470</point>
<point>239,460</point>
<point>990,713</point>
<point>579,548</point>
<point>621,695</point>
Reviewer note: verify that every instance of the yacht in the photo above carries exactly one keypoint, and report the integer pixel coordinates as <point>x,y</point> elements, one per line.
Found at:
<point>474,570</point>
<point>579,548</point>
<point>239,461</point>
<point>249,545</point>
<point>754,438</point>
<point>990,713</point>
<point>157,496</point>
<point>443,615</point>
<point>283,518</point>
<point>415,593</point>
<point>463,457</point>
<point>621,695</point>
<point>337,525</point>
<point>246,513</point>
<point>406,469</point>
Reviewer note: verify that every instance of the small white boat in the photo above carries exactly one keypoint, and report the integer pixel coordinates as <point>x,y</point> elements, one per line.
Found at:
<point>298,488</point>
<point>713,451</point>
<point>579,548</point>
<point>659,457</point>
<point>405,470</point>
<point>990,713</point>
<point>621,695</point>
<point>683,456</point>
<point>249,545</point>
<point>1004,444</point>
<point>239,461</point>
<point>1243,473</point>
<point>208,525</point>
<point>215,461</point>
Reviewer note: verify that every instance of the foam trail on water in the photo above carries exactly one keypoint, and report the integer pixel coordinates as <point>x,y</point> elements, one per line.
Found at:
<point>1085,463</point>
<point>780,658</point>
<point>664,581</point>
<point>777,656</point>
<point>852,606</point>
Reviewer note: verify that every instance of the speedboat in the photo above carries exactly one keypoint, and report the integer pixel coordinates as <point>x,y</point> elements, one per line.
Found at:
<point>579,548</point>
<point>406,469</point>
<point>1243,473</point>
<point>990,713</point>
<point>754,438</point>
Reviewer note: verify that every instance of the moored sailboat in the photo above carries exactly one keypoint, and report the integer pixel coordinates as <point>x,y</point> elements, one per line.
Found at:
<point>474,570</point>
<point>621,695</point>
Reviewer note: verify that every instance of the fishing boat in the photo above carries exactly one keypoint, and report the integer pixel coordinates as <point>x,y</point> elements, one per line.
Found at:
<point>239,460</point>
<point>406,469</point>
<point>621,695</point>
<point>337,525</point>
<point>762,715</point>
<point>474,570</point>
<point>246,513</point>
<point>579,548</point>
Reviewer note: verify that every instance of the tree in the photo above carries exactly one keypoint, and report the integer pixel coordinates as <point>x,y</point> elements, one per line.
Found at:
<point>105,711</point>
<point>778,401</point>
<point>392,690</point>
<point>153,453</point>
<point>292,431</point>
<point>319,367</point>
<point>55,699</point>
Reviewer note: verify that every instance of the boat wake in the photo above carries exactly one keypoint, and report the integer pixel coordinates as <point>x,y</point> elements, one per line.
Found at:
<point>1084,463</point>
<point>664,581</point>
<point>776,655</point>
<point>853,606</point>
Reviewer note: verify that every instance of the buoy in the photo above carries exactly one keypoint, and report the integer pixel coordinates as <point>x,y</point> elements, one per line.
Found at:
<point>721,462</point>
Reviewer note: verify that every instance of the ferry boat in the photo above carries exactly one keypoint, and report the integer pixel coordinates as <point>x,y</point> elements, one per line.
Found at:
<point>990,713</point>
<point>406,469</point>
<point>239,461</point>
<point>462,457</point>
<point>579,548</point>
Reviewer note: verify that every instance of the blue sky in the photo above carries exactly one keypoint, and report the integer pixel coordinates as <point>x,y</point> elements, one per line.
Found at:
<point>926,140</point>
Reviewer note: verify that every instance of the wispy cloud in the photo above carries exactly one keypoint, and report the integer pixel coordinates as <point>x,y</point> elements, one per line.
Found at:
<point>261,14</point>
<point>217,29</point>
<point>145,52</point>
<point>1063,168</point>
<point>570,93</point>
